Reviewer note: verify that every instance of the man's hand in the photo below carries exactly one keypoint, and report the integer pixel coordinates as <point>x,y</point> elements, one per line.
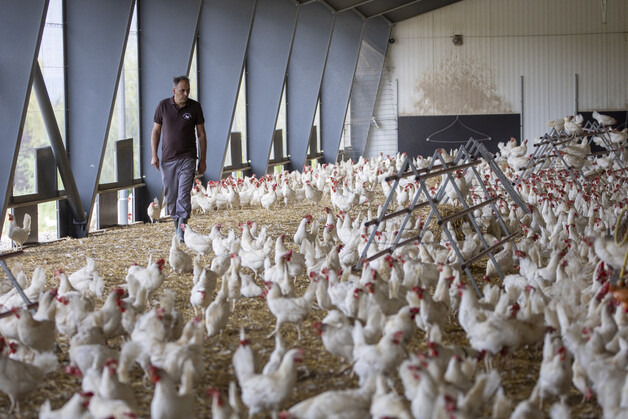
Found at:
<point>201,167</point>
<point>155,162</point>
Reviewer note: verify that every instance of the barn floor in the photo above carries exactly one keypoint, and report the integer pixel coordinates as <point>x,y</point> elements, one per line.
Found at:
<point>116,249</point>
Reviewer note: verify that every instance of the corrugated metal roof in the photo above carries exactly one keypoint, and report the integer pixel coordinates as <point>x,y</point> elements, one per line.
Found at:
<point>393,10</point>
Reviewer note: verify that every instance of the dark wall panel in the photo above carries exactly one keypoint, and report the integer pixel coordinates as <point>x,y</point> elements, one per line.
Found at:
<point>337,80</point>
<point>445,132</point>
<point>21,27</point>
<point>223,39</point>
<point>305,74</point>
<point>167,31</point>
<point>96,34</point>
<point>266,65</point>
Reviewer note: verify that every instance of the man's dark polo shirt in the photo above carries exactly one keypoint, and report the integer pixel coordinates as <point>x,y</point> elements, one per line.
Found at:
<point>178,128</point>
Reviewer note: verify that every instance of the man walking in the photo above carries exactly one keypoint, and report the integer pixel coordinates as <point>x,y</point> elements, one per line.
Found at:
<point>178,117</point>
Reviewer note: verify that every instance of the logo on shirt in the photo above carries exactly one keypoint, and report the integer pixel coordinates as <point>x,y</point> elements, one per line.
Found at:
<point>187,116</point>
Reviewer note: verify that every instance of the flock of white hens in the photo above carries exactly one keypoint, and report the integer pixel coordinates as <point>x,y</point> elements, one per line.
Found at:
<point>561,294</point>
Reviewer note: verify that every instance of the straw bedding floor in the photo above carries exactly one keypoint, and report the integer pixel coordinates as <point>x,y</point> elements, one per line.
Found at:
<point>116,249</point>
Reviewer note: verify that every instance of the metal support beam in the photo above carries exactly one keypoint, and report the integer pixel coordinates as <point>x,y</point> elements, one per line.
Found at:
<point>361,3</point>
<point>386,6</point>
<point>21,28</point>
<point>223,39</point>
<point>266,66</point>
<point>366,83</point>
<point>305,75</point>
<point>167,32</point>
<point>416,8</point>
<point>338,79</point>
<point>96,35</point>
<point>58,148</point>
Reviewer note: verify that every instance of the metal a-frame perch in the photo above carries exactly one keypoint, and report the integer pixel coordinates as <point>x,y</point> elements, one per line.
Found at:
<point>468,157</point>
<point>29,304</point>
<point>548,151</point>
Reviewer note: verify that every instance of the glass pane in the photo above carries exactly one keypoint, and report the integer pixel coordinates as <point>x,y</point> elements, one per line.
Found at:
<point>239,122</point>
<point>47,214</point>
<point>345,141</point>
<point>51,61</point>
<point>317,125</point>
<point>282,123</point>
<point>125,118</point>
<point>194,75</point>
<point>131,93</point>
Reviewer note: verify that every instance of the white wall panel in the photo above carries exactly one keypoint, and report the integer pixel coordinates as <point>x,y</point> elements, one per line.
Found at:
<point>561,93</point>
<point>469,17</point>
<point>617,16</point>
<point>535,85</point>
<point>422,27</point>
<point>416,57</point>
<point>617,69</point>
<point>575,16</point>
<point>507,71</point>
<point>592,74</point>
<point>517,18</point>
<point>545,41</point>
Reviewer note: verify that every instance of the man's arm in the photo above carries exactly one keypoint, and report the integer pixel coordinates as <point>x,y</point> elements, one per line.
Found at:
<point>202,146</point>
<point>154,144</point>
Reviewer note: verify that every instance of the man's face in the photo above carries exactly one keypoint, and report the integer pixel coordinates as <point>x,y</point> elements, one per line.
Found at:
<point>181,92</point>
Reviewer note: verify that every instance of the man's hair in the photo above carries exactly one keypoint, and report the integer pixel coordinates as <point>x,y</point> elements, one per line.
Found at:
<point>177,79</point>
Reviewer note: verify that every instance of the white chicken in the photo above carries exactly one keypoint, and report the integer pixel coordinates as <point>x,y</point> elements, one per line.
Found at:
<point>111,388</point>
<point>179,260</point>
<point>269,198</point>
<point>556,373</point>
<point>556,124</point>
<point>386,403</point>
<point>504,259</point>
<point>40,335</point>
<point>312,194</point>
<point>204,286</point>
<point>149,278</point>
<point>276,356</point>
<point>349,403</point>
<point>167,401</point>
<point>199,243</point>
<point>87,279</point>
<point>461,184</point>
<point>604,120</point>
<point>383,357</point>
<point>217,314</point>
<point>76,407</point>
<point>336,332</point>
<point>266,392</point>
<point>18,234</point>
<point>154,211</point>
<point>18,379</point>
<point>517,158</point>
<point>290,310</point>
<point>302,233</point>
<point>573,125</point>
<point>244,358</point>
